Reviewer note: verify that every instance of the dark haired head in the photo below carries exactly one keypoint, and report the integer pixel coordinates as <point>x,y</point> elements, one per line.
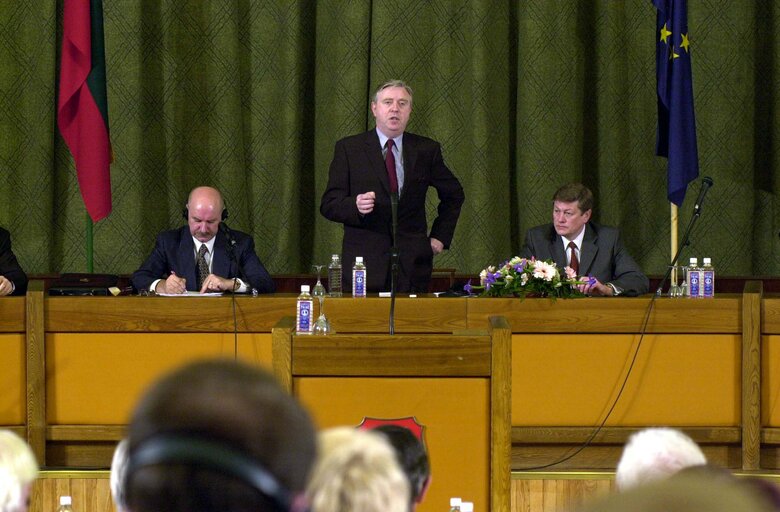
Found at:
<point>411,455</point>
<point>225,403</point>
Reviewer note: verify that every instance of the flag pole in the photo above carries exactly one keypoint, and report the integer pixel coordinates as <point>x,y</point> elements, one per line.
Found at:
<point>673,244</point>
<point>90,244</point>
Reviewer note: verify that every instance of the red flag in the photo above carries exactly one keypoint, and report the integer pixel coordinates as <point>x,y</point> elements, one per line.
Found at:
<point>82,109</point>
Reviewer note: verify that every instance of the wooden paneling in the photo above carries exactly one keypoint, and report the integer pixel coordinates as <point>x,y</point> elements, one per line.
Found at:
<point>89,490</point>
<point>36,370</point>
<point>612,315</point>
<point>428,355</point>
<point>751,376</point>
<point>12,314</point>
<point>573,380</point>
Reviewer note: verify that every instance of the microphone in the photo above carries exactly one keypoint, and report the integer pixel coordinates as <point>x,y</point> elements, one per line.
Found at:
<point>706,183</point>
<point>231,246</point>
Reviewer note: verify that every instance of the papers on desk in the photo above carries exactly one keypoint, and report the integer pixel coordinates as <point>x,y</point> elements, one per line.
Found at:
<point>191,294</point>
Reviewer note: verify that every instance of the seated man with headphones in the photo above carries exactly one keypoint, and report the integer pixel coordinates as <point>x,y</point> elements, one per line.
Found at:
<point>203,256</point>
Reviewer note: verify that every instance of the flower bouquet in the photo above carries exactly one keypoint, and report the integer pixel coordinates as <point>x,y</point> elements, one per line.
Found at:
<point>521,277</point>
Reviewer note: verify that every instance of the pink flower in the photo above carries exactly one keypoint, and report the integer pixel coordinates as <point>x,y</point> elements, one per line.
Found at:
<point>570,273</point>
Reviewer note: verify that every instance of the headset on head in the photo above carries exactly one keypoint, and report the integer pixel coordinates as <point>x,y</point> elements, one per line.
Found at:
<point>203,453</point>
<point>186,213</point>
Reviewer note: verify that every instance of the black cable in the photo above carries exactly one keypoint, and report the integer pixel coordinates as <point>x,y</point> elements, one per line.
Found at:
<point>598,429</point>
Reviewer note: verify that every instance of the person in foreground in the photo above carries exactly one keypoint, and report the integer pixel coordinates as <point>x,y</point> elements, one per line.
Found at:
<point>698,491</point>
<point>594,252</point>
<point>357,471</point>
<point>13,280</point>
<point>368,170</point>
<point>412,457</point>
<point>654,454</point>
<point>116,480</point>
<point>18,470</point>
<point>204,255</point>
<point>218,435</point>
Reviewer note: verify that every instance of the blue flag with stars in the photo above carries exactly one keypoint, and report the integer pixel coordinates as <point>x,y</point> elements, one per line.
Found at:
<point>676,137</point>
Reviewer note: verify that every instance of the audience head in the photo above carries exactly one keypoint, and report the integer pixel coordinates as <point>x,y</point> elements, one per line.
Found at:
<point>357,471</point>
<point>687,492</point>
<point>204,212</point>
<point>18,470</point>
<point>412,457</point>
<point>117,478</point>
<point>656,453</point>
<point>218,435</point>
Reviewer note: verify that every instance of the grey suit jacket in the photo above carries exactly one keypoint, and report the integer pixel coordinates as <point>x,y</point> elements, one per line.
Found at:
<point>602,255</point>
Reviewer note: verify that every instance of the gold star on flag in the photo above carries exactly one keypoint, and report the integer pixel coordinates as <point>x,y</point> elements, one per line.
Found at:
<point>672,54</point>
<point>665,33</point>
<point>685,43</point>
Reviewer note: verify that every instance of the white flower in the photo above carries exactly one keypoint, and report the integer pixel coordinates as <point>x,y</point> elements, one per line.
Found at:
<point>482,277</point>
<point>545,271</point>
<point>523,278</point>
<point>509,278</point>
<point>515,260</point>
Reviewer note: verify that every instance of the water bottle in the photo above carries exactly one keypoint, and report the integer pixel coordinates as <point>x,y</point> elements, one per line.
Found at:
<point>304,311</point>
<point>359,278</point>
<point>334,276</point>
<point>455,504</point>
<point>65,504</point>
<point>707,279</point>
<point>694,279</point>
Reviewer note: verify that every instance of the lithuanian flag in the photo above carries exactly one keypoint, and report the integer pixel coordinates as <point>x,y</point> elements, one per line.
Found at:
<point>82,109</point>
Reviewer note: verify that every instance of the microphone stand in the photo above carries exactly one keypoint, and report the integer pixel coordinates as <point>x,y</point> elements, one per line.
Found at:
<point>394,257</point>
<point>231,249</point>
<point>706,184</point>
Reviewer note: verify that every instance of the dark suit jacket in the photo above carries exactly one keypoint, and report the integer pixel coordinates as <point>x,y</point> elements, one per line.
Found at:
<point>9,267</point>
<point>358,167</point>
<point>602,255</point>
<point>175,251</point>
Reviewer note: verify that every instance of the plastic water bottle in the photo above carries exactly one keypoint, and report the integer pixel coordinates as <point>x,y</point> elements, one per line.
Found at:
<point>304,312</point>
<point>694,279</point>
<point>359,278</point>
<point>334,276</point>
<point>455,504</point>
<point>707,279</point>
<point>65,504</point>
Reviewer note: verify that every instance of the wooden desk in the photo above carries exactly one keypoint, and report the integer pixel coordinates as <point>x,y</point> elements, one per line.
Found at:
<point>696,368</point>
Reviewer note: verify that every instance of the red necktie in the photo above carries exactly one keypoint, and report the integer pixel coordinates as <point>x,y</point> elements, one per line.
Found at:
<point>574,263</point>
<point>390,166</point>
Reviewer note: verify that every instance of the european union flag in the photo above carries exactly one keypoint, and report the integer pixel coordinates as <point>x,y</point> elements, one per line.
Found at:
<point>676,123</point>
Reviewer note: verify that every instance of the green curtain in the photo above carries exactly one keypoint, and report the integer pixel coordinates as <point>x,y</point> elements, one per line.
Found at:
<point>251,95</point>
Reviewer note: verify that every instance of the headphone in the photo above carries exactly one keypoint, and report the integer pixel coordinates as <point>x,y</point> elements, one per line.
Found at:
<point>197,451</point>
<point>186,213</point>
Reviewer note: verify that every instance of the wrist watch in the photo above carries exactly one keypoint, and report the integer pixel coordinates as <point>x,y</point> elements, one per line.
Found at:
<point>616,290</point>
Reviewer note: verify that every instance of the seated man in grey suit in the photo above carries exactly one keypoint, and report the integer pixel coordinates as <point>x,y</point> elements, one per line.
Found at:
<point>593,251</point>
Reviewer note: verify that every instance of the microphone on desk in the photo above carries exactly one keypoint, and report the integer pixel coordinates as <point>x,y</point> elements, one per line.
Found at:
<point>231,246</point>
<point>706,183</point>
<point>394,256</point>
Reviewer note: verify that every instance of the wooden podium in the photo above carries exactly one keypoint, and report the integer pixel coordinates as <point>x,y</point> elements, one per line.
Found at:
<point>457,386</point>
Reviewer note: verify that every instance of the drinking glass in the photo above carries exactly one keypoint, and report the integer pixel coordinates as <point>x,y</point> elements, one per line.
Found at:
<point>321,325</point>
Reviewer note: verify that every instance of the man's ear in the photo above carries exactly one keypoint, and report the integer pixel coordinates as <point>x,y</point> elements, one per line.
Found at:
<point>426,485</point>
<point>587,215</point>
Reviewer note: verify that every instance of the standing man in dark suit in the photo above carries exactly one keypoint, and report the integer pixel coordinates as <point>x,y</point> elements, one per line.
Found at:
<point>13,280</point>
<point>370,168</point>
<point>197,257</point>
<point>590,249</point>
